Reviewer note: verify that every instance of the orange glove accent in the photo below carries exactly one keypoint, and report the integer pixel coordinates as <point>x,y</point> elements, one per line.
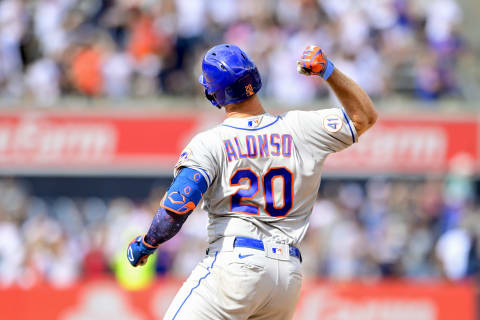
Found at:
<point>314,62</point>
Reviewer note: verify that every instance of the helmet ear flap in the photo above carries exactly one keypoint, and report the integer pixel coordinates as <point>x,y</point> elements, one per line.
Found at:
<point>211,98</point>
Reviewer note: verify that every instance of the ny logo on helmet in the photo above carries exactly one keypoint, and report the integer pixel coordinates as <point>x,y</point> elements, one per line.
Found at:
<point>249,90</point>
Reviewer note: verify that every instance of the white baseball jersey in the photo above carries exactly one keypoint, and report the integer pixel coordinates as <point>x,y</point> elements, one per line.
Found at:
<point>264,171</point>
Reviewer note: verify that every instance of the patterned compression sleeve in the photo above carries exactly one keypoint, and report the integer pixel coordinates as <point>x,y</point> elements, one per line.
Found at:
<point>179,201</point>
<point>164,226</point>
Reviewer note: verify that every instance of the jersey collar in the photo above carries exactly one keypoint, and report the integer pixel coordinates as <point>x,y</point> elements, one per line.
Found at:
<point>253,123</point>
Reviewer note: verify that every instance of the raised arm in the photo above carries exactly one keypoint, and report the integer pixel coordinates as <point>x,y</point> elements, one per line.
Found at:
<point>354,99</point>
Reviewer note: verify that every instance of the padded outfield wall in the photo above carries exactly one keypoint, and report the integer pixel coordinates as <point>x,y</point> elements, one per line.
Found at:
<point>145,143</point>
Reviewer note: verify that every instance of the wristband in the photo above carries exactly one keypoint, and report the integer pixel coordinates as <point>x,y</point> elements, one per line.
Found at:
<point>327,72</point>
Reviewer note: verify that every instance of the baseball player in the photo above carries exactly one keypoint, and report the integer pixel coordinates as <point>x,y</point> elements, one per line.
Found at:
<point>258,175</point>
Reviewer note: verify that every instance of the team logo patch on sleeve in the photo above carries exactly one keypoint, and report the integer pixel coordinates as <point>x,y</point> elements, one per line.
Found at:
<point>332,123</point>
<point>183,157</point>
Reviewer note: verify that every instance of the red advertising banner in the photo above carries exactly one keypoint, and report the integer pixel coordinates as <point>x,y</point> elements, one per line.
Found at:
<point>104,299</point>
<point>413,145</point>
<point>387,301</point>
<point>72,141</point>
<point>151,142</point>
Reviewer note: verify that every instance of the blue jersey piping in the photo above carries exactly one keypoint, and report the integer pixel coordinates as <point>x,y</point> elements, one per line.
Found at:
<point>349,126</point>
<point>254,129</point>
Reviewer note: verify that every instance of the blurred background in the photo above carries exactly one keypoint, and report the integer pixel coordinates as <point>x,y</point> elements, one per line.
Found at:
<point>98,98</point>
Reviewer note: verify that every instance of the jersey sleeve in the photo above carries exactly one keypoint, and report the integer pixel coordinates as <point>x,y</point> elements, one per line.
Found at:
<point>326,130</point>
<point>199,154</point>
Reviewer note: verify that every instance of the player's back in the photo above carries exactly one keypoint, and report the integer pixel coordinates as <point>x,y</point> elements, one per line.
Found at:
<point>264,171</point>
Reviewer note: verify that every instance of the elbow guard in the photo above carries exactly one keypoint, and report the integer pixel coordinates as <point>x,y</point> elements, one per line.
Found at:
<point>185,192</point>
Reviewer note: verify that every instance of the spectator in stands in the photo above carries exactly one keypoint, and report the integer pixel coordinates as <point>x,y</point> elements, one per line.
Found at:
<point>383,229</point>
<point>85,70</point>
<point>158,43</point>
<point>12,18</point>
<point>42,81</point>
<point>117,72</point>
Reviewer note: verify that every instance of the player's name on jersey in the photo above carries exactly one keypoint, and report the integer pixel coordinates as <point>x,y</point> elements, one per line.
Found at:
<point>254,146</point>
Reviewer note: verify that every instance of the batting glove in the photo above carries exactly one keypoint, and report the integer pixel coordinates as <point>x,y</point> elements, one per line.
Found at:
<point>138,251</point>
<point>314,62</point>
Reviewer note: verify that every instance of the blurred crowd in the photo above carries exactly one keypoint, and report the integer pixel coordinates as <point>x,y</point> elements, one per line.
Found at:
<point>145,48</point>
<point>413,229</point>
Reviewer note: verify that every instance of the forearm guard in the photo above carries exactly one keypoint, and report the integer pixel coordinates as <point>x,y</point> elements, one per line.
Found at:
<point>164,226</point>
<point>179,201</point>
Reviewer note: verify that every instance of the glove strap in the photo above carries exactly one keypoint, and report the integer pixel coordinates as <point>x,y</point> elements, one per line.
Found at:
<point>327,72</point>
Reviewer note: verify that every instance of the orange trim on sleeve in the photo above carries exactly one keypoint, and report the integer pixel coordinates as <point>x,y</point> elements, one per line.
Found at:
<point>188,208</point>
<point>148,245</point>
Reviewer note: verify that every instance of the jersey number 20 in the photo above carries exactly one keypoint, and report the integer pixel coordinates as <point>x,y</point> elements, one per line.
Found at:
<point>268,190</point>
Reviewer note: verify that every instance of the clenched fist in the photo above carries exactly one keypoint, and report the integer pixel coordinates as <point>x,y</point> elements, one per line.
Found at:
<point>138,251</point>
<point>314,62</point>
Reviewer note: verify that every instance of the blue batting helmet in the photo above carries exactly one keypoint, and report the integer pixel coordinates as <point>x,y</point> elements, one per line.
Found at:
<point>229,76</point>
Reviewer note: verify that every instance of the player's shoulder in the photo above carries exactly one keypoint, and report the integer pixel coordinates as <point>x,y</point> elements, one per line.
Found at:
<point>310,114</point>
<point>310,111</point>
<point>207,141</point>
<point>201,152</point>
<point>291,115</point>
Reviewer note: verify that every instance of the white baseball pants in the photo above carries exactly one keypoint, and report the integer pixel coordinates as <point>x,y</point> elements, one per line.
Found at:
<point>238,284</point>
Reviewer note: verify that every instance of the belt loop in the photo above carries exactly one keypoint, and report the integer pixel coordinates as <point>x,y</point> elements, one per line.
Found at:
<point>228,243</point>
